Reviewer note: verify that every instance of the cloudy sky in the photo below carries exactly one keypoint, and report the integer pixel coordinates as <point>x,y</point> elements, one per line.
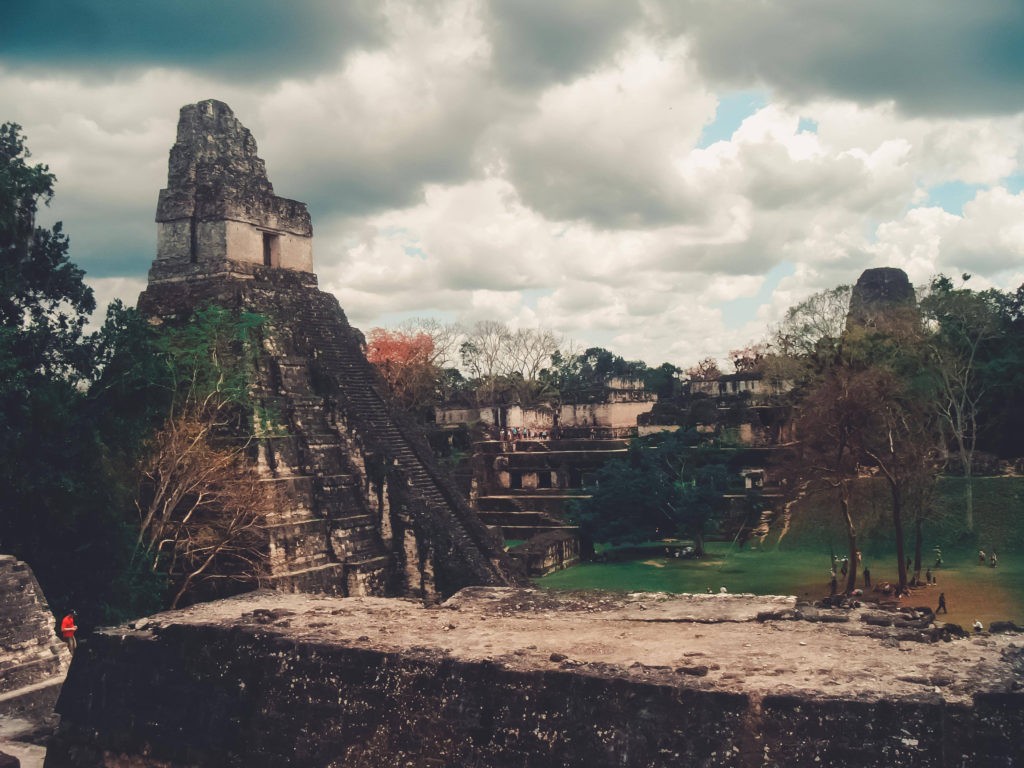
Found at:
<point>660,177</point>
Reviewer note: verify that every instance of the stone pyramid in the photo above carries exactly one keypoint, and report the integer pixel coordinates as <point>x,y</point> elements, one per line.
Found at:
<point>369,511</point>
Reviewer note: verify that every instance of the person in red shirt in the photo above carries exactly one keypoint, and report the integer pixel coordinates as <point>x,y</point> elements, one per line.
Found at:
<point>68,629</point>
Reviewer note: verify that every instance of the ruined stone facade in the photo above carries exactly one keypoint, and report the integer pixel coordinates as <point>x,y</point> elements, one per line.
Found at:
<point>368,510</point>
<point>219,211</point>
<point>511,678</point>
<point>33,660</point>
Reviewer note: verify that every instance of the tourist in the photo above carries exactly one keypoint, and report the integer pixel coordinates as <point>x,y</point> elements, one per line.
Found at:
<point>942,604</point>
<point>928,576</point>
<point>938,557</point>
<point>68,629</point>
<point>981,557</point>
<point>978,626</point>
<point>993,560</point>
<point>845,564</point>
<point>867,578</point>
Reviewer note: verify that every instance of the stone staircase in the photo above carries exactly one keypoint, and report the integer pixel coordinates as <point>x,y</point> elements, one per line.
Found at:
<point>388,434</point>
<point>365,508</point>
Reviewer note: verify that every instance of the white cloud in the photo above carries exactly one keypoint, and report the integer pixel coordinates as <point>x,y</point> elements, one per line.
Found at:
<point>568,192</point>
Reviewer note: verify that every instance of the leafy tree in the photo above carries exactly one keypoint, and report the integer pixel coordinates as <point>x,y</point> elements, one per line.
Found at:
<point>866,404</point>
<point>663,380</point>
<point>831,422</point>
<point>1001,424</point>
<point>61,459</point>
<point>405,361</point>
<point>666,486</point>
<point>964,325</point>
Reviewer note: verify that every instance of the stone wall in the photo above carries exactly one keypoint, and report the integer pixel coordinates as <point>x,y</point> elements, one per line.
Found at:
<point>618,415</point>
<point>33,660</point>
<point>219,207</point>
<point>547,552</point>
<point>514,678</point>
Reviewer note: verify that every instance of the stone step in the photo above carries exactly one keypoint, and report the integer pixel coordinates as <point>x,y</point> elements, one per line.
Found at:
<point>306,571</point>
<point>370,563</point>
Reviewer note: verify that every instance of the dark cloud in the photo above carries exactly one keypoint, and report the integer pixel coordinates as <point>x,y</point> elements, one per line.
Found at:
<point>934,57</point>
<point>254,39</point>
<point>542,41</point>
<point>567,185</point>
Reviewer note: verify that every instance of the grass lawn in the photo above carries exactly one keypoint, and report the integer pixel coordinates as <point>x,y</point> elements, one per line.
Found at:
<point>972,591</point>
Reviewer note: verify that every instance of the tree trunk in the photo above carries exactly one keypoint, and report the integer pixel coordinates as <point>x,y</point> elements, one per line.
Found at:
<point>968,496</point>
<point>851,538</point>
<point>918,544</point>
<point>897,526</point>
<point>698,543</point>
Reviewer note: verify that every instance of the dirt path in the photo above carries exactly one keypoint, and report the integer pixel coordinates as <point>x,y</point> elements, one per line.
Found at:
<point>972,593</point>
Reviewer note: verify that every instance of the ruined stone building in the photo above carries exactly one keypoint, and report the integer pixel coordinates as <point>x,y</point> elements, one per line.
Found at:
<point>33,661</point>
<point>368,510</point>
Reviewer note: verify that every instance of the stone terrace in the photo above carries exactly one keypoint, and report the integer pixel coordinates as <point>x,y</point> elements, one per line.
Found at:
<point>507,677</point>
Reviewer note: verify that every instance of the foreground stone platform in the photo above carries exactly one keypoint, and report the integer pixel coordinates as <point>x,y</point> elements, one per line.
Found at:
<point>507,677</point>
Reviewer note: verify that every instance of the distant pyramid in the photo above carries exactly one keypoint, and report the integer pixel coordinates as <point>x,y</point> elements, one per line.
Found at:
<point>369,510</point>
<point>880,293</point>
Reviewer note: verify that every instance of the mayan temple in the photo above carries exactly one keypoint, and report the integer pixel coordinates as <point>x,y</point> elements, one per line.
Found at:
<point>368,511</point>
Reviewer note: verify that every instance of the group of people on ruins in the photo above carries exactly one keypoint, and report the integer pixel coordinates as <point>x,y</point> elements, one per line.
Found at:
<point>522,433</point>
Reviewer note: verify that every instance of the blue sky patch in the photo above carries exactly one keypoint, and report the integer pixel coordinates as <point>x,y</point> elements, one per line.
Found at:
<point>738,312</point>
<point>733,109</point>
<point>1014,184</point>
<point>953,196</point>
<point>807,125</point>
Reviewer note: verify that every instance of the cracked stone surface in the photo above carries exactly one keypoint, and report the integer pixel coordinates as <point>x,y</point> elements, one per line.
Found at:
<point>644,634</point>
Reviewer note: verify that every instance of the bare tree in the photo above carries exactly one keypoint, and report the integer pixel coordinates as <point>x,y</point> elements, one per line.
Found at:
<point>202,509</point>
<point>446,338</point>
<point>202,506</point>
<point>530,351</point>
<point>705,370</point>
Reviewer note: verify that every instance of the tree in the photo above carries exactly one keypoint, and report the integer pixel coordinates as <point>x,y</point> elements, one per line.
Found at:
<point>406,363</point>
<point>963,325</point>
<point>828,421</point>
<point>748,359</point>
<point>899,433</point>
<point>815,324</point>
<point>666,486</point>
<point>866,405</point>
<point>445,338</point>
<point>68,437</point>
<point>44,301</point>
<point>202,509</point>
<point>705,370</point>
